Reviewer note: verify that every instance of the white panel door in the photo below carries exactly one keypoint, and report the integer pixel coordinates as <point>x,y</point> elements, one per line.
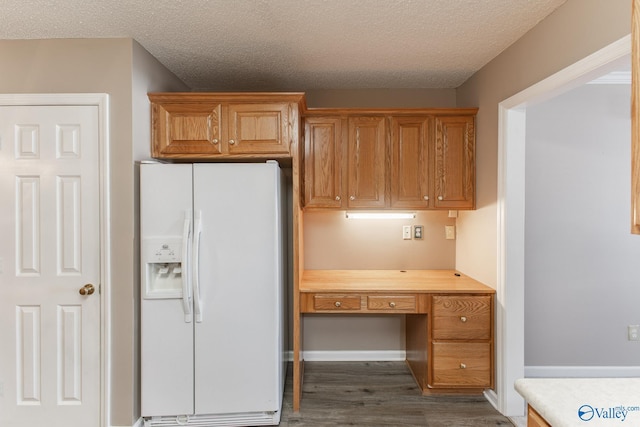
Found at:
<point>49,250</point>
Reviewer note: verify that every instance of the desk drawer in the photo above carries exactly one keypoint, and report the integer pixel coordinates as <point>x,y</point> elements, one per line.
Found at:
<point>336,302</point>
<point>461,317</point>
<point>461,364</point>
<point>404,303</point>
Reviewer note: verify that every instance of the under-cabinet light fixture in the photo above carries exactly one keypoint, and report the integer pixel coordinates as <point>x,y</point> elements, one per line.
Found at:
<point>380,215</point>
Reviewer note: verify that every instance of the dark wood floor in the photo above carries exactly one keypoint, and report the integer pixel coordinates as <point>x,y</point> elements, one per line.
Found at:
<point>379,394</point>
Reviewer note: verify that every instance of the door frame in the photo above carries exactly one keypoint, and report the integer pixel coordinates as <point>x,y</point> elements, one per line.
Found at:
<point>511,209</point>
<point>100,100</point>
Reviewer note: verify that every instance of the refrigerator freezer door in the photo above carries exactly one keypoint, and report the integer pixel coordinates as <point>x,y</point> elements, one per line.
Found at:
<point>166,335</point>
<point>238,358</point>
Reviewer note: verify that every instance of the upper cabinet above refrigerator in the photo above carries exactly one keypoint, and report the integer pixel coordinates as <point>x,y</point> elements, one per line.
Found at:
<point>221,125</point>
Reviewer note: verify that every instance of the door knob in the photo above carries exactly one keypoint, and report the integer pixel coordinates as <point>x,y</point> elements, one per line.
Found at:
<point>87,289</point>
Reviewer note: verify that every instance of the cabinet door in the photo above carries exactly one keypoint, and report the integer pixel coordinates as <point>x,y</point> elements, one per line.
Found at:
<point>461,317</point>
<point>366,163</point>
<point>258,128</point>
<point>461,364</point>
<point>182,130</point>
<point>323,162</point>
<point>410,162</point>
<point>455,163</point>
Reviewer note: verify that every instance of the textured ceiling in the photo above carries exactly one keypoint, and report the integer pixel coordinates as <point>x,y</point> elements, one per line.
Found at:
<point>294,44</point>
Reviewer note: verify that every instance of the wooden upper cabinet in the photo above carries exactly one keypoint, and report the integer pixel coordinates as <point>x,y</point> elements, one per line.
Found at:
<point>323,162</point>
<point>366,163</point>
<point>258,128</point>
<point>390,159</point>
<point>186,129</point>
<point>454,162</point>
<point>410,162</point>
<point>208,125</point>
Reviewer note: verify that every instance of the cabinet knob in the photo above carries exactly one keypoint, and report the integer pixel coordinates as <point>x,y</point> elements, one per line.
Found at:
<point>337,198</point>
<point>425,197</point>
<point>338,304</point>
<point>352,197</point>
<point>214,141</point>
<point>463,319</point>
<point>392,304</point>
<point>232,141</point>
<point>440,197</point>
<point>463,366</point>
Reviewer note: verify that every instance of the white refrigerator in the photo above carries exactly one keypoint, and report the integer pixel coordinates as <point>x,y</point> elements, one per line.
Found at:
<point>213,285</point>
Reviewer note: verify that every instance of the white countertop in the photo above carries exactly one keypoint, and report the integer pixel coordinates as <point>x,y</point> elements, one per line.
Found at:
<point>584,402</point>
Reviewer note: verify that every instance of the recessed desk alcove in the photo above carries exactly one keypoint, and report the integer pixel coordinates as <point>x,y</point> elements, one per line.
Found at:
<point>449,321</point>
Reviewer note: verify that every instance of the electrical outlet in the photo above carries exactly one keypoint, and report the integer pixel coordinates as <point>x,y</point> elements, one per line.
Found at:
<point>450,232</point>
<point>633,332</point>
<point>406,232</point>
<point>417,232</point>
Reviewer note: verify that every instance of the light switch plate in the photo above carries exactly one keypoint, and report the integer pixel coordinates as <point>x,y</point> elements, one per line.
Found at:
<point>450,232</point>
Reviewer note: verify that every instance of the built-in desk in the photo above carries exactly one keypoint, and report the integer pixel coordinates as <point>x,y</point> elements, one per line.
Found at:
<point>449,316</point>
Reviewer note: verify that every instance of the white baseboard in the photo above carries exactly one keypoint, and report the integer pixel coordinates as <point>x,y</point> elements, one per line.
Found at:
<point>581,371</point>
<point>492,397</point>
<point>354,356</point>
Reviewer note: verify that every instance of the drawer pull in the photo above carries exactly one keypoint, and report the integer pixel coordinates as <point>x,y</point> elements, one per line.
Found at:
<point>463,319</point>
<point>463,366</point>
<point>338,304</point>
<point>392,304</point>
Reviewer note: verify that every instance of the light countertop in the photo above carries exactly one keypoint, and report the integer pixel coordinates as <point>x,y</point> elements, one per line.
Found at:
<point>584,402</point>
<point>411,281</point>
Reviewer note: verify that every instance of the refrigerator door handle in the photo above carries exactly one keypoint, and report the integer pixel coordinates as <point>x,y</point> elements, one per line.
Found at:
<point>186,273</point>
<point>197,231</point>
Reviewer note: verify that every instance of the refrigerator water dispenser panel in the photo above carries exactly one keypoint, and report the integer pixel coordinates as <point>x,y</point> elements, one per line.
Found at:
<point>163,267</point>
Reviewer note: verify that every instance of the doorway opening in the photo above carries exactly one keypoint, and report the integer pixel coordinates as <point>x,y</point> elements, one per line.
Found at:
<point>511,213</point>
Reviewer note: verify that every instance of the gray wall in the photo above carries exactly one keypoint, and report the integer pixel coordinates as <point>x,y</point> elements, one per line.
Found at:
<point>575,30</point>
<point>382,98</point>
<point>103,66</point>
<point>582,280</point>
<point>123,70</point>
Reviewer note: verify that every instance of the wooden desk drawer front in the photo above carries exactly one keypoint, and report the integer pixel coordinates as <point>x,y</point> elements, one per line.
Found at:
<point>336,302</point>
<point>404,303</point>
<point>461,364</point>
<point>461,317</point>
